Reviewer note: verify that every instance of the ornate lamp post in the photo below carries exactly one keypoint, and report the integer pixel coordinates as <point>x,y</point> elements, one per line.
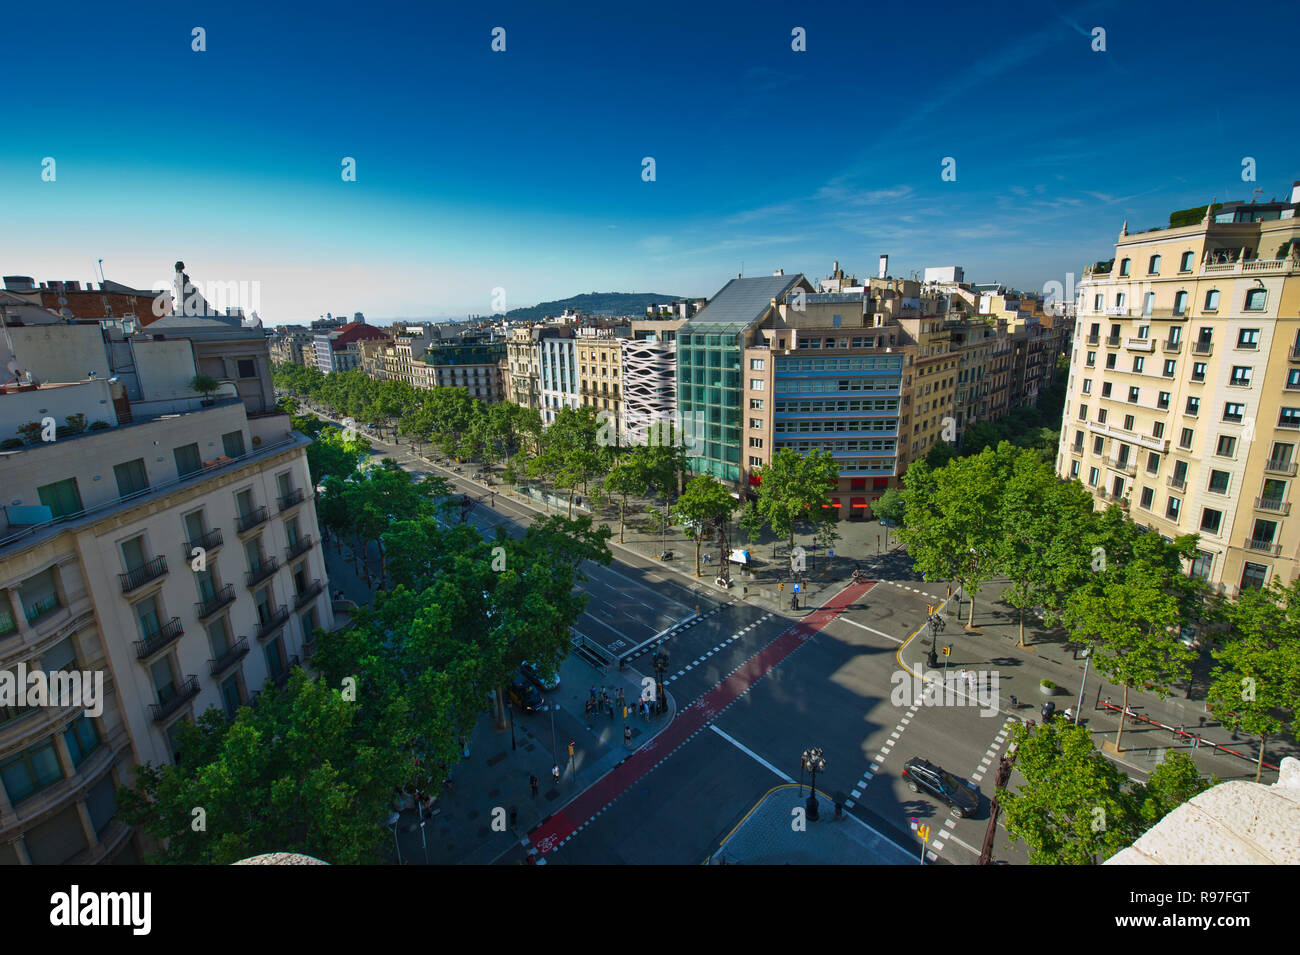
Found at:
<point>812,759</point>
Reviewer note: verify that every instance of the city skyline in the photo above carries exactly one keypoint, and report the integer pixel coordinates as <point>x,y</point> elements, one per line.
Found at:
<point>470,177</point>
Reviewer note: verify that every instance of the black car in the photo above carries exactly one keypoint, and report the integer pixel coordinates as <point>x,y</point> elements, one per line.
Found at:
<point>524,695</point>
<point>921,774</point>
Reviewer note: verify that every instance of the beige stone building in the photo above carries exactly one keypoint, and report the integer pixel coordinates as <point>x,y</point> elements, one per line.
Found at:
<point>600,370</point>
<point>165,544</point>
<point>1184,389</point>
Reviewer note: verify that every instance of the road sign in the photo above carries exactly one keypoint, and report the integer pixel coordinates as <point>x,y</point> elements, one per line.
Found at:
<point>796,588</point>
<point>830,554</point>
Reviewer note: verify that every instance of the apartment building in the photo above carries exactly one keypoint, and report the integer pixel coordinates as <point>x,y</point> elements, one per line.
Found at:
<point>338,350</point>
<point>163,540</point>
<point>600,370</point>
<point>648,362</point>
<point>523,359</point>
<point>293,344</point>
<point>1184,387</point>
<point>472,365</point>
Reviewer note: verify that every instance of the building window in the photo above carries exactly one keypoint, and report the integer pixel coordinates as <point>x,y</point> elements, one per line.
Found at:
<point>1093,475</point>
<point>1219,481</point>
<point>1153,463</point>
<point>30,771</point>
<point>756,384</point>
<point>1233,411</point>
<point>1185,263</point>
<point>1162,402</point>
<point>82,739</point>
<point>1133,393</point>
<point>1198,371</point>
<point>755,462</point>
<point>1193,406</point>
<point>1171,367</point>
<point>62,497</point>
<point>755,404</point>
<point>1226,447</point>
<point>1253,576</point>
<point>1255,299</point>
<point>131,477</point>
<point>1210,520</point>
<point>1185,439</point>
<point>1092,359</point>
<point>1087,386</point>
<point>757,364</point>
<point>1110,361</point>
<point>1248,338</point>
<point>1180,303</point>
<point>188,460</point>
<point>1201,565</point>
<point>233,444</point>
<point>1158,429</point>
<point>1139,363</point>
<point>1105,389</point>
<point>755,442</point>
<point>1145,500</point>
<point>756,423</point>
<point>1083,412</point>
<point>1289,418</point>
<point>1153,265</point>
<point>1124,266</point>
<point>1172,508</point>
<point>1148,303</point>
<point>1098,443</point>
<point>1293,379</point>
<point>1101,416</point>
<point>1212,300</point>
<point>1098,302</point>
<point>247,368</point>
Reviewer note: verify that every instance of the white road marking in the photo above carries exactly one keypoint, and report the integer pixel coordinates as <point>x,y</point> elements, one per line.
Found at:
<point>750,753</point>
<point>863,626</point>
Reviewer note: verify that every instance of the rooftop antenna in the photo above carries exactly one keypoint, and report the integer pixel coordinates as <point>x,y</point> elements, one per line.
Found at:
<point>101,271</point>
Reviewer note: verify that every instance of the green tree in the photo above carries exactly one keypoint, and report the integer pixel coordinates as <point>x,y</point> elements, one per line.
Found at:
<point>703,504</point>
<point>626,477</point>
<point>1256,686</point>
<point>891,506</point>
<point>304,771</point>
<point>796,487</point>
<point>1073,807</point>
<point>940,454</point>
<point>1173,782</point>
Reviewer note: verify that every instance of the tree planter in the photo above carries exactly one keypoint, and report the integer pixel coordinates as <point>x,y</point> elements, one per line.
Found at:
<point>1047,690</point>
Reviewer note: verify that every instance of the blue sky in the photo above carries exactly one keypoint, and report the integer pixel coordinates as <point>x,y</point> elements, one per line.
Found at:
<point>521,170</point>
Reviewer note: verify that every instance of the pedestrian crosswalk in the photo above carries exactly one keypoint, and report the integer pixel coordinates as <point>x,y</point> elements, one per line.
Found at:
<point>704,656</point>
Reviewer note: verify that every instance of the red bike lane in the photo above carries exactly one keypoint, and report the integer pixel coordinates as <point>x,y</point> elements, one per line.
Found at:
<point>551,834</point>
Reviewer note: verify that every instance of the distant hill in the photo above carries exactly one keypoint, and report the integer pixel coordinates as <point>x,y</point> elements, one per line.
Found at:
<point>595,303</point>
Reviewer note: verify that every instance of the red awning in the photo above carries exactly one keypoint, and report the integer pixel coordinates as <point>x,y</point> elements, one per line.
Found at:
<point>834,503</point>
<point>880,482</point>
<point>859,502</point>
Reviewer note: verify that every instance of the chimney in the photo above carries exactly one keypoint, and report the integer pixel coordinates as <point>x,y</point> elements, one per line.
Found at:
<point>1295,191</point>
<point>884,266</point>
<point>778,271</point>
<point>835,270</point>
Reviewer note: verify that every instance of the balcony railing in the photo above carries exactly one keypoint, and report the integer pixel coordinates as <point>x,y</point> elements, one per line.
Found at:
<point>1202,348</point>
<point>187,691</point>
<point>208,542</point>
<point>281,678</point>
<point>292,499</point>
<point>1288,423</point>
<point>1264,547</point>
<point>1128,467</point>
<point>1293,353</point>
<point>1176,482</point>
<point>1112,341</point>
<point>150,570</point>
<point>167,633</point>
<point>1172,348</point>
<point>1140,344</point>
<point>246,522</point>
<point>238,650</point>
<point>265,569</point>
<point>308,595</point>
<point>206,608</point>
<point>1093,339</point>
<point>279,617</point>
<point>297,548</point>
<point>1274,504</point>
<point>1251,265</point>
<point>1281,467</point>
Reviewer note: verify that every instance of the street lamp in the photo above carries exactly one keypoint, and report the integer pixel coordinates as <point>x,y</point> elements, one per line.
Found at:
<point>510,708</point>
<point>392,824</point>
<point>816,764</point>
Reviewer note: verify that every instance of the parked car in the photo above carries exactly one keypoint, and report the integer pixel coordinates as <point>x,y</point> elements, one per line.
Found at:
<point>543,681</point>
<point>921,774</point>
<point>524,695</point>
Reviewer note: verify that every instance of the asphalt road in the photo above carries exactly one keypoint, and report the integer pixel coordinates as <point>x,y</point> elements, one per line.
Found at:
<point>750,699</point>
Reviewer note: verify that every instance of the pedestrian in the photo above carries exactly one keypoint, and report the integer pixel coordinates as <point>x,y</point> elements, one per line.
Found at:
<point>609,705</point>
<point>965,678</point>
<point>532,784</point>
<point>627,735</point>
<point>555,773</point>
<point>593,692</point>
<point>620,696</point>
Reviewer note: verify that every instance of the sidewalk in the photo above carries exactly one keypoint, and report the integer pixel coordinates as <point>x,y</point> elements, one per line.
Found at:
<point>1050,654</point>
<point>767,836</point>
<point>493,778</point>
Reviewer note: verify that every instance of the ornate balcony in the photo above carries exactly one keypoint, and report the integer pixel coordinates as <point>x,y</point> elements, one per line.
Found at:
<point>238,650</point>
<point>298,548</point>
<point>292,499</point>
<point>279,617</point>
<point>1287,468</point>
<point>150,570</point>
<point>168,633</point>
<point>1202,348</point>
<point>1172,348</point>
<point>187,691</point>
<point>254,518</point>
<point>1274,504</point>
<point>308,595</point>
<point>265,569</point>
<point>208,542</point>
<point>1263,547</point>
<point>1177,483</point>
<point>223,597</point>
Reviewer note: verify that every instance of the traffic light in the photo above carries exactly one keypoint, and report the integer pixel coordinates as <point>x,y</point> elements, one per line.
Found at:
<point>947,652</point>
<point>780,585</point>
<point>571,744</point>
<point>929,610</point>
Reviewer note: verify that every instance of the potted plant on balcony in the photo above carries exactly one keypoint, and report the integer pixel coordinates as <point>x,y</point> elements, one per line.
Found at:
<point>205,385</point>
